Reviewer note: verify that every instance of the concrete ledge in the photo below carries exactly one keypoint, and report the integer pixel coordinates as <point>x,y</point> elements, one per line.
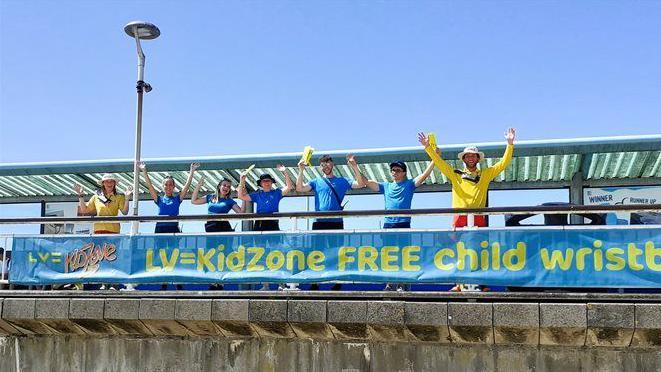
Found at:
<point>6,329</point>
<point>563,324</point>
<point>308,319</point>
<point>385,320</point>
<point>348,319</point>
<point>471,323</point>
<point>159,317</point>
<point>427,321</point>
<point>124,316</point>
<point>610,324</point>
<point>20,313</point>
<point>54,312</point>
<point>516,323</point>
<point>87,313</point>
<point>269,318</point>
<point>231,316</point>
<point>648,326</point>
<point>195,315</point>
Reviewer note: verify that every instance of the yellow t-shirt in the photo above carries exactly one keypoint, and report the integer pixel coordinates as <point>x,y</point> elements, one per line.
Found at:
<point>110,209</point>
<point>466,192</point>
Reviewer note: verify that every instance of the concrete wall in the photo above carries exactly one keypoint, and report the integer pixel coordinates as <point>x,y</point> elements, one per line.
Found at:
<point>127,333</point>
<point>85,353</point>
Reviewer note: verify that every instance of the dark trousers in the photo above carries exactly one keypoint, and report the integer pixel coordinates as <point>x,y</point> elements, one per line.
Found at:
<point>166,229</point>
<point>328,225</point>
<point>397,225</point>
<point>266,225</point>
<point>218,226</point>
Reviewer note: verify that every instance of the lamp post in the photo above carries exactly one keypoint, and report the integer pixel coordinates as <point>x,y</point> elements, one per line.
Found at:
<point>145,31</point>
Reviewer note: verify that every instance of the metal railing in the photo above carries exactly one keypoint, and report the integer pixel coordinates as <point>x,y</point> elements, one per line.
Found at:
<point>568,209</point>
<point>295,216</point>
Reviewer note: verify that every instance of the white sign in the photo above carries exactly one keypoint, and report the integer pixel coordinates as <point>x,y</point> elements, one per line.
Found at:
<point>625,196</point>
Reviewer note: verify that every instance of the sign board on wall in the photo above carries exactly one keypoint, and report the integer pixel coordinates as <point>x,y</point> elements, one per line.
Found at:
<point>625,196</point>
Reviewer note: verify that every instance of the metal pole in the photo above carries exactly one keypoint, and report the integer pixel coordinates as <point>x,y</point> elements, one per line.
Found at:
<point>138,132</point>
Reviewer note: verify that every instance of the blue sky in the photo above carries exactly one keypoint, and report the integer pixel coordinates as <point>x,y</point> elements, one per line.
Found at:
<point>242,77</point>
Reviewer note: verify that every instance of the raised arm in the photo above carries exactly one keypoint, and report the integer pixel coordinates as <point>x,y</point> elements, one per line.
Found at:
<point>152,191</point>
<point>435,156</point>
<point>195,199</point>
<point>423,177</point>
<point>240,209</point>
<point>359,180</point>
<point>373,185</point>
<point>127,198</point>
<point>184,191</point>
<point>495,169</point>
<point>289,186</point>
<point>241,190</point>
<point>81,201</point>
<point>300,185</point>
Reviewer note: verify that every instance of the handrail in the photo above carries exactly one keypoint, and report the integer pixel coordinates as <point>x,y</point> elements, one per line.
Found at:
<point>562,209</point>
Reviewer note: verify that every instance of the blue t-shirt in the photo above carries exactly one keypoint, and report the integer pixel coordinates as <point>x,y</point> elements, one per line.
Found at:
<point>324,199</point>
<point>168,206</point>
<point>267,202</point>
<point>220,206</point>
<point>398,196</point>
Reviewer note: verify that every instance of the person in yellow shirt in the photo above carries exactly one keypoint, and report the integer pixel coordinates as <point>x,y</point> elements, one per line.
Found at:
<point>470,186</point>
<point>105,202</point>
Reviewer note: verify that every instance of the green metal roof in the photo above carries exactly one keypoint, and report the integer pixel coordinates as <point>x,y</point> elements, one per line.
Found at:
<point>611,161</point>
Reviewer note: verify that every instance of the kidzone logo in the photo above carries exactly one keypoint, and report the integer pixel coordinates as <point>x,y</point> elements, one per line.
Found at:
<point>86,258</point>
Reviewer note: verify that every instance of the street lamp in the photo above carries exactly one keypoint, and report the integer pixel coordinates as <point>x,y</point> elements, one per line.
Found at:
<point>146,31</point>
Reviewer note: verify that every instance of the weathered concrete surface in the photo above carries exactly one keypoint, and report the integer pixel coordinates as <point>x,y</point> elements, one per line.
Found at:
<point>563,324</point>
<point>125,354</point>
<point>428,321</point>
<point>648,326</point>
<point>348,319</point>
<point>87,313</point>
<point>386,321</point>
<point>5,327</point>
<point>20,313</point>
<point>231,316</point>
<point>516,323</point>
<point>269,318</point>
<point>610,324</point>
<point>471,323</point>
<point>159,316</point>
<point>195,315</point>
<point>308,319</point>
<point>124,316</point>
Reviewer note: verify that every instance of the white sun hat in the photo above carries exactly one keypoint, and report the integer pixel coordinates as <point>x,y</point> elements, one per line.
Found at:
<point>471,150</point>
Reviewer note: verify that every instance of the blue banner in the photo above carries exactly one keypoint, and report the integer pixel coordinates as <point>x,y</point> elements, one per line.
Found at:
<point>605,257</point>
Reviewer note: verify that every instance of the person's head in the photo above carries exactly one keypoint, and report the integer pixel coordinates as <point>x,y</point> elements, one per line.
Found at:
<point>266,181</point>
<point>471,156</point>
<point>223,189</point>
<point>168,185</point>
<point>326,164</point>
<point>108,184</point>
<point>398,171</point>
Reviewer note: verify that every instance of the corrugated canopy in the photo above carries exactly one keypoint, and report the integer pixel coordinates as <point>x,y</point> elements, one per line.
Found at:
<point>607,161</point>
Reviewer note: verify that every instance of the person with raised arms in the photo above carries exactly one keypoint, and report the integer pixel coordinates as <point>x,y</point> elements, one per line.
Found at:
<point>398,194</point>
<point>470,185</point>
<point>267,199</point>
<point>168,203</point>
<point>220,202</point>
<point>329,190</point>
